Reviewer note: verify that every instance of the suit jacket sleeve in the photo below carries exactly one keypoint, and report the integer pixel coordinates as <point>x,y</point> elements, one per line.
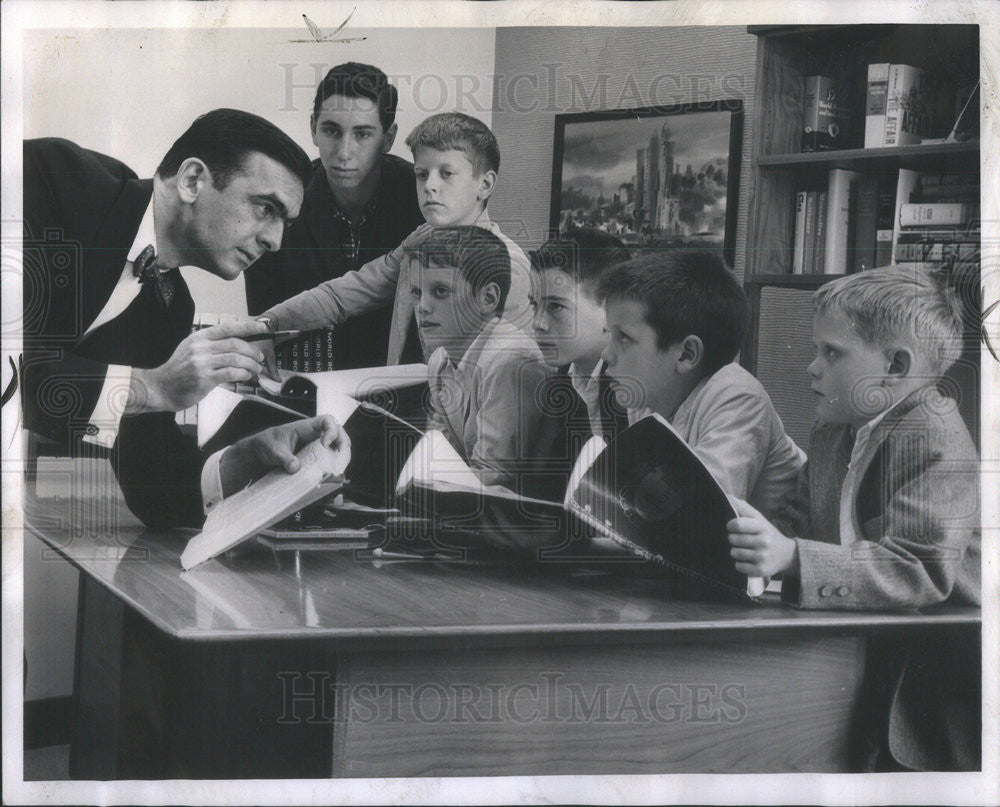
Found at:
<point>60,388</point>
<point>159,471</point>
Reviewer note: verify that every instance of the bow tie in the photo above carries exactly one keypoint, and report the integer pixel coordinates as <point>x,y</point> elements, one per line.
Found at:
<point>144,269</point>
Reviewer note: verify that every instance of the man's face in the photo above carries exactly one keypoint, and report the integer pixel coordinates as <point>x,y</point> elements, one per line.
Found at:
<point>447,311</point>
<point>349,136</point>
<point>847,373</point>
<point>644,374</point>
<point>231,227</point>
<point>449,190</point>
<point>569,325</point>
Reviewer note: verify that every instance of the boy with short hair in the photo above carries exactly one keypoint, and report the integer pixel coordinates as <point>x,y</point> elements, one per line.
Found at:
<point>569,321</point>
<point>676,320</point>
<point>456,161</point>
<point>483,371</point>
<point>888,514</point>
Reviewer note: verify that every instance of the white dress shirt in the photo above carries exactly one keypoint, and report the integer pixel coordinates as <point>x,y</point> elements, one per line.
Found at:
<point>107,415</point>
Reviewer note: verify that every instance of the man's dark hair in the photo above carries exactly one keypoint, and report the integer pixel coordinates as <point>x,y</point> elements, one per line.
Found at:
<point>223,138</point>
<point>684,292</point>
<point>356,80</point>
<point>478,254</point>
<point>583,253</point>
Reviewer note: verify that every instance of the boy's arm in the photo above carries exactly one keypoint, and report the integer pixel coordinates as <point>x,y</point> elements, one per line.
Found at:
<point>507,419</point>
<point>928,525</point>
<point>362,290</point>
<point>732,442</point>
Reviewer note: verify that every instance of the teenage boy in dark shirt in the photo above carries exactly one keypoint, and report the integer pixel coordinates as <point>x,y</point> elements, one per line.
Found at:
<point>360,204</point>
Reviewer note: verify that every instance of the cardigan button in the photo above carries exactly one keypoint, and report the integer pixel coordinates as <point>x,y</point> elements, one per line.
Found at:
<point>843,591</point>
<point>825,591</point>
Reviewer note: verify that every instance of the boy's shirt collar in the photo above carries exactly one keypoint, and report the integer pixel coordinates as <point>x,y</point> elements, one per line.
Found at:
<point>469,361</point>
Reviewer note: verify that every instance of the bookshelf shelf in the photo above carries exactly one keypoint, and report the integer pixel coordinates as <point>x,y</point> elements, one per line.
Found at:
<point>937,156</point>
<point>778,347</point>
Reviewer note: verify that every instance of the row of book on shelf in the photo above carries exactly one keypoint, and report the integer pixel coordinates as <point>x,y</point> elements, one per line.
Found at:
<point>865,220</point>
<point>904,105</point>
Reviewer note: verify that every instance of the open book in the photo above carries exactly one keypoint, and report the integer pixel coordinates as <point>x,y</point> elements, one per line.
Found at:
<point>225,416</point>
<point>266,501</point>
<point>646,491</point>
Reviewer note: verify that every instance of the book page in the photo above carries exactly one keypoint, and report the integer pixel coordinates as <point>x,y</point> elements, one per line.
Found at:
<point>267,500</point>
<point>434,461</point>
<point>216,407</point>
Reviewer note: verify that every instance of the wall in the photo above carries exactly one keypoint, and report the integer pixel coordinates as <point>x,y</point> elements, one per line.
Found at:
<point>541,72</point>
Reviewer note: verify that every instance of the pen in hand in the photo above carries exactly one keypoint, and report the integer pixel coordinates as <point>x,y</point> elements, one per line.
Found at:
<point>260,337</point>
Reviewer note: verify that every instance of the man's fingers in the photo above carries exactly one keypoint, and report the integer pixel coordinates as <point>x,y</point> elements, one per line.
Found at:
<point>221,360</point>
<point>230,375</point>
<point>235,327</point>
<point>750,569</point>
<point>233,345</point>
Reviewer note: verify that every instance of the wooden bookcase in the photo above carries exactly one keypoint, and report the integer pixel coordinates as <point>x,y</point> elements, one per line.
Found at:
<point>779,345</point>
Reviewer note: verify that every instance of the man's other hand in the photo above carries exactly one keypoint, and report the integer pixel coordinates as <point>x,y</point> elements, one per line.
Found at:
<point>253,456</point>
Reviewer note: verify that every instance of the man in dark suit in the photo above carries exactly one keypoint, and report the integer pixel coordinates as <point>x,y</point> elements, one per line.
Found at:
<point>109,356</point>
<point>360,203</point>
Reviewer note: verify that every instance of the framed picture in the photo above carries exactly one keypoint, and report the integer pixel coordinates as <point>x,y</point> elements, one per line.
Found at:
<point>656,177</point>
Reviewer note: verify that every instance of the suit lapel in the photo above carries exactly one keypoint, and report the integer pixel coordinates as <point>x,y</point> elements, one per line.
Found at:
<point>105,259</point>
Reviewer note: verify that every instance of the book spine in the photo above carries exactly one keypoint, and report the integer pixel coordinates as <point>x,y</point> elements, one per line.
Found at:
<point>885,220</point>
<point>906,181</point>
<point>798,247</point>
<point>907,109</point>
<point>329,365</point>
<point>936,251</point>
<point>821,208</point>
<point>865,223</point>
<point>935,214</point>
<point>826,115</point>
<point>878,84</point>
<point>956,235</point>
<point>838,220</point>
<point>809,237</point>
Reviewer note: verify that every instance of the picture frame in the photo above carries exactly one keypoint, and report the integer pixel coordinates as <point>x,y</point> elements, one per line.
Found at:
<point>602,164</point>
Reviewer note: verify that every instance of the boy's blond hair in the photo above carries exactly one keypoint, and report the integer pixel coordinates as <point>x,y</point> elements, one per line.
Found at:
<point>896,304</point>
<point>455,130</point>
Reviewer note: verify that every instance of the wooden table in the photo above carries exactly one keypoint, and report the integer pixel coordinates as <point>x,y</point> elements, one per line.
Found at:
<point>342,666</point>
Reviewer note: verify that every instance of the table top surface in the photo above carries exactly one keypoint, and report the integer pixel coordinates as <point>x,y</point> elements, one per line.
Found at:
<point>349,599</point>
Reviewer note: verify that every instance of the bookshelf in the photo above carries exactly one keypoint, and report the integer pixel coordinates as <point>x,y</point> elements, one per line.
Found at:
<point>778,347</point>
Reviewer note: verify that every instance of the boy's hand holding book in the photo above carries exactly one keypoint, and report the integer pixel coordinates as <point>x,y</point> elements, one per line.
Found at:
<point>758,548</point>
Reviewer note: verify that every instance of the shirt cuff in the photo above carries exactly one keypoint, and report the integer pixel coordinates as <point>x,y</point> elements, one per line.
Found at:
<point>102,430</point>
<point>211,481</point>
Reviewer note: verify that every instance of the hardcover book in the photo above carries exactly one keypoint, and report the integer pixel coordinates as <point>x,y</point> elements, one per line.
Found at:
<point>908,106</point>
<point>826,115</point>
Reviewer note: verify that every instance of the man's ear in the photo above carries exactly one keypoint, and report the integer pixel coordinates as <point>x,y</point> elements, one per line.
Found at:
<point>489,297</point>
<point>312,128</point>
<point>486,184</point>
<point>389,138</point>
<point>191,178</point>
<point>691,354</point>
<point>900,365</point>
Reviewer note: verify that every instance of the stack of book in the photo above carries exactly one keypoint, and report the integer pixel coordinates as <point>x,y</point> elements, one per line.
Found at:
<point>310,352</point>
<point>939,223</point>
<point>862,221</point>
